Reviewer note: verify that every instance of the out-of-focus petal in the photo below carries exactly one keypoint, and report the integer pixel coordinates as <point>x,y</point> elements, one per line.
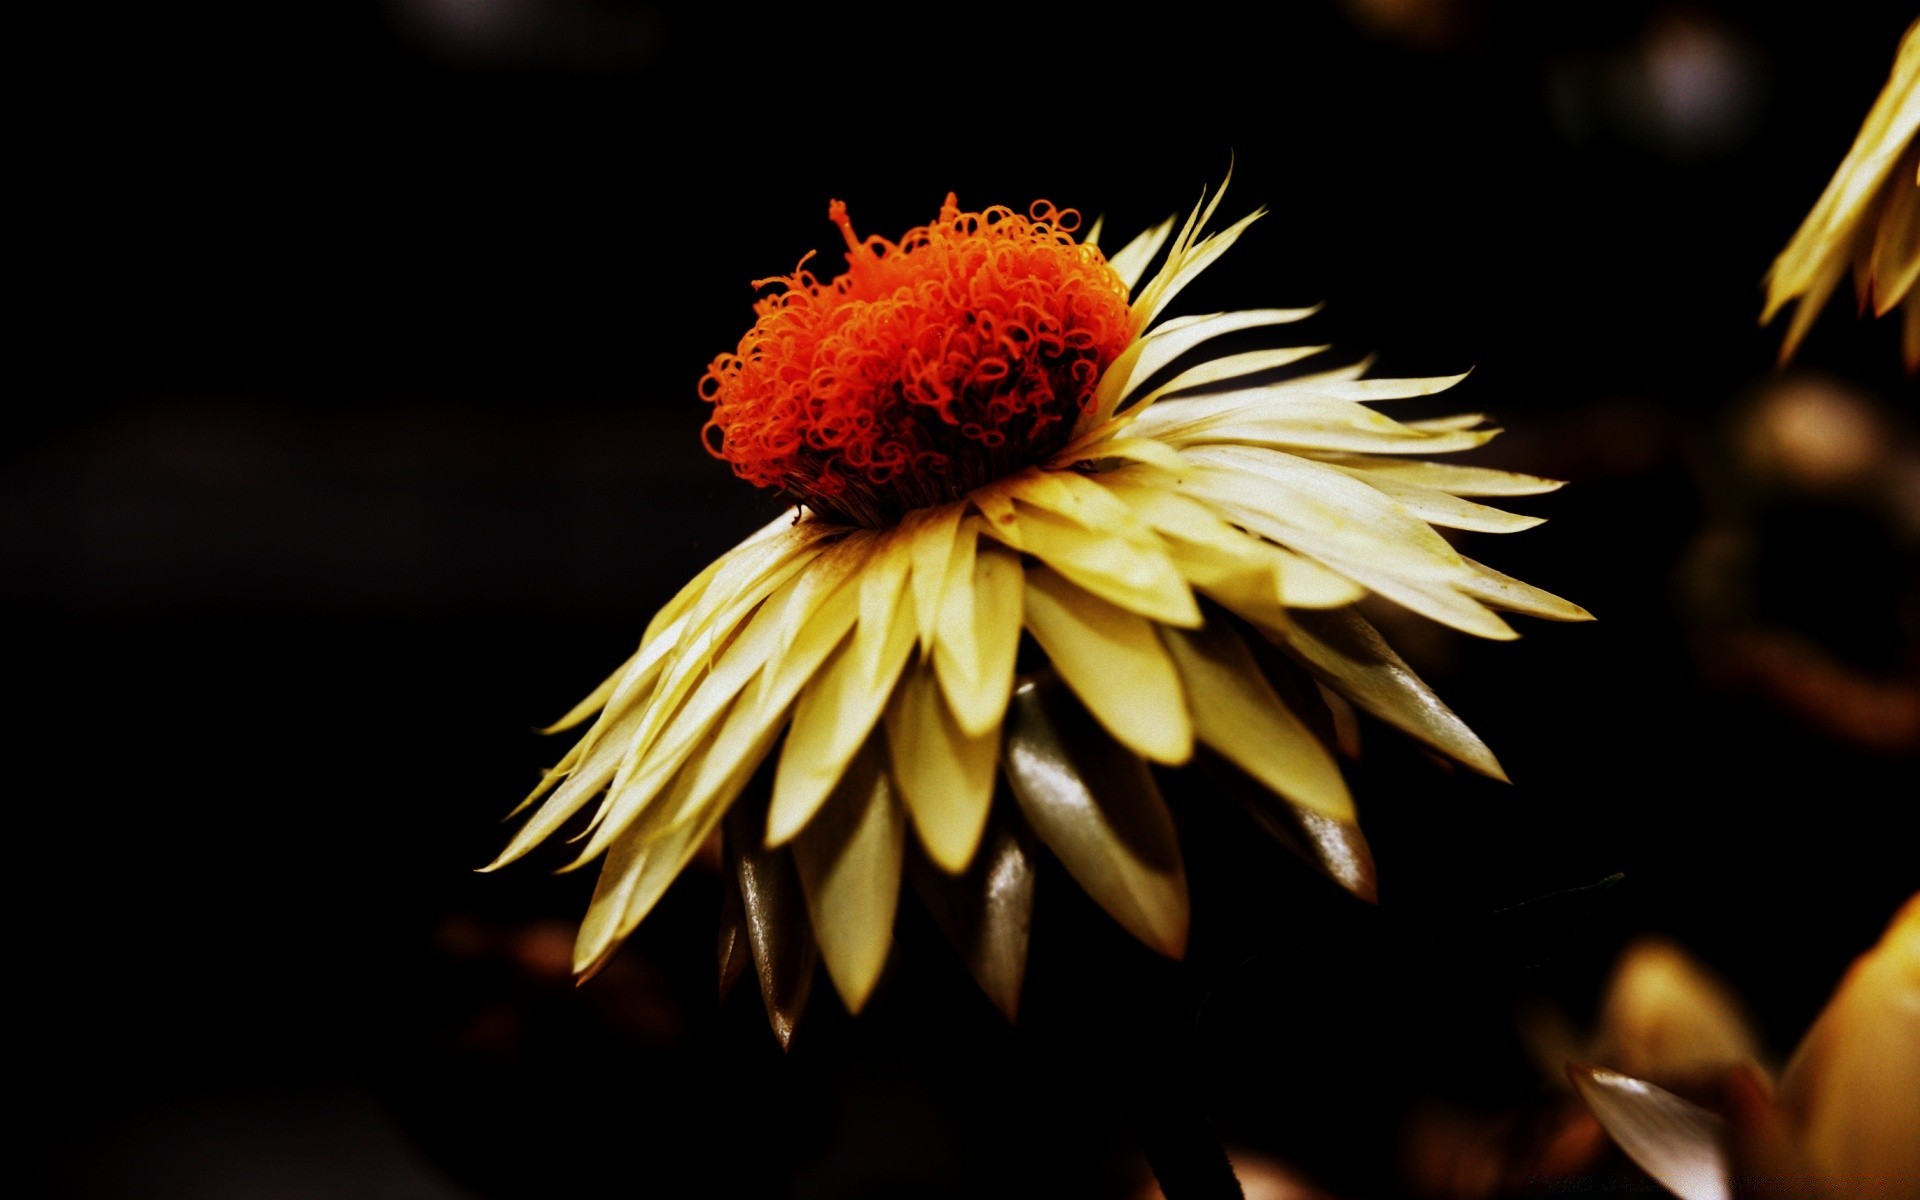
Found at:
<point>1676,1141</point>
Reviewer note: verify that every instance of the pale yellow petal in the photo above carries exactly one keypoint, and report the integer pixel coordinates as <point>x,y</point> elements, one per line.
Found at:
<point>944,775</point>
<point>1817,255</point>
<point>1445,477</point>
<point>1217,557</point>
<point>1894,256</point>
<point>1142,450</point>
<point>1114,662</point>
<point>1130,261</point>
<point>637,872</point>
<point>1449,511</point>
<point>1148,355</point>
<point>849,859</point>
<point>1849,1091</point>
<point>933,533</point>
<point>1137,577</point>
<point>1229,367</point>
<point>1183,266</point>
<point>1236,711</point>
<point>835,713</point>
<point>1504,591</point>
<point>976,671</point>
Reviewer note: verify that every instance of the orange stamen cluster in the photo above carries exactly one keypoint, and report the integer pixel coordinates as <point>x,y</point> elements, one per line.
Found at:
<point>955,356</point>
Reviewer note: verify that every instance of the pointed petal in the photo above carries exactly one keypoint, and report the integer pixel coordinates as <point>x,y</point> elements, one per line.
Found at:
<point>1236,712</point>
<point>638,870</point>
<point>734,951</point>
<point>1504,591</point>
<point>1351,657</point>
<point>1133,574</point>
<point>945,775</point>
<point>1337,849</point>
<point>849,861</point>
<point>1849,1093</point>
<point>986,913</point>
<point>836,711</point>
<point>975,671</point>
<point>1157,350</point>
<point>933,536</point>
<point>1097,808</point>
<point>1446,477</point>
<point>777,931</point>
<point>1675,1141</point>
<point>1130,261</point>
<point>1441,508</point>
<point>1114,662</point>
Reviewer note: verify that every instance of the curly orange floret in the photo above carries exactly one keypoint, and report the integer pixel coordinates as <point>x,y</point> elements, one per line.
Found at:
<point>959,354</point>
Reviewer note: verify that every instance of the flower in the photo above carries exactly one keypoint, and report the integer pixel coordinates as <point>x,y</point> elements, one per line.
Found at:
<point>1869,216</point>
<point>1841,1122</point>
<point>993,436</point>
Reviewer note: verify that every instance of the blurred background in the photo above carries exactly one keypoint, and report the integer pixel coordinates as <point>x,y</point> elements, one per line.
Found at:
<point>361,438</point>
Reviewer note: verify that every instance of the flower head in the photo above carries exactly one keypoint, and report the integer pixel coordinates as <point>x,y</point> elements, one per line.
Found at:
<point>1045,540</point>
<point>949,359</point>
<point>1869,218</point>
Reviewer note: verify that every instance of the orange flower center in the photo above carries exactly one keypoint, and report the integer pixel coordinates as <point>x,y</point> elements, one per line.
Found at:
<point>953,357</point>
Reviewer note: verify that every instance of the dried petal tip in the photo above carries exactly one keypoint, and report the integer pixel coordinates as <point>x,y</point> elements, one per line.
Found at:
<point>955,356</point>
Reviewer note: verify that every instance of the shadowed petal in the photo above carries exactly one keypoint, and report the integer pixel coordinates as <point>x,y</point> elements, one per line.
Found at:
<point>1097,808</point>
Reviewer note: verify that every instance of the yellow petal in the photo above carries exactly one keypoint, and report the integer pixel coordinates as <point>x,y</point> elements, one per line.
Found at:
<point>638,870</point>
<point>1148,355</point>
<point>1895,250</point>
<point>1224,560</point>
<point>1446,477</point>
<point>1368,390</point>
<point>974,652</point>
<point>1130,261</point>
<point>1849,1094</point>
<point>1344,524</point>
<point>1144,450</point>
<point>1097,808</point>
<point>835,713</point>
<point>1504,591</point>
<point>1440,508</point>
<point>1236,712</point>
<point>1137,576</point>
<point>849,862</point>
<point>944,774</point>
<point>1114,662</point>
<point>1665,1017</point>
<point>933,533</point>
<point>1817,255</point>
<point>1183,267</point>
<point>1229,367</point>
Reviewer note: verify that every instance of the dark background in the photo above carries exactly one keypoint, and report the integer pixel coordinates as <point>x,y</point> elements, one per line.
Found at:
<point>357,435</point>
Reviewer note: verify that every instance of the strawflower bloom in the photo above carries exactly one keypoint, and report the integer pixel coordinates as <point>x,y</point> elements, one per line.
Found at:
<point>1869,218</point>
<point>1036,524</point>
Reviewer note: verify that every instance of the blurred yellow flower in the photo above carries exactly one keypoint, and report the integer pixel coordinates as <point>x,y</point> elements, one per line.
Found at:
<point>1868,217</point>
<point>993,435</point>
<point>1843,1122</point>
